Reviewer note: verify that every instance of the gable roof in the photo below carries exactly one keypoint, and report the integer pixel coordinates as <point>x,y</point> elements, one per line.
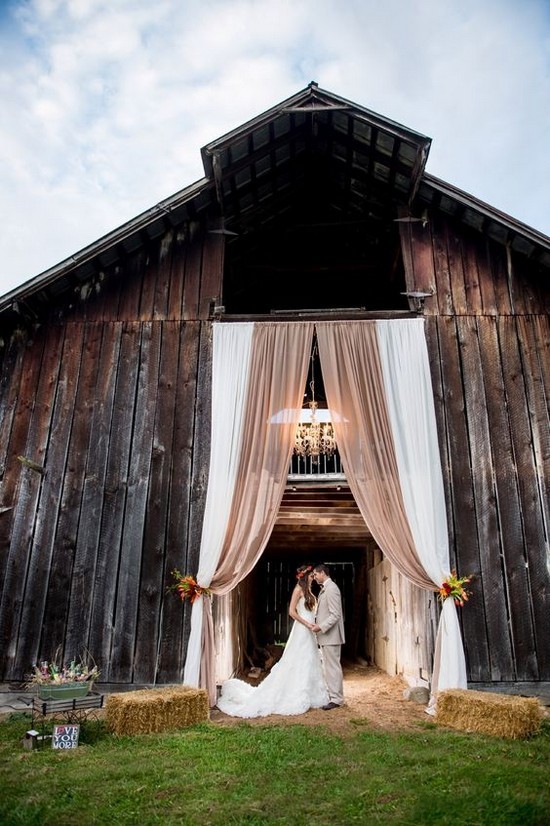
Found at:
<point>313,142</point>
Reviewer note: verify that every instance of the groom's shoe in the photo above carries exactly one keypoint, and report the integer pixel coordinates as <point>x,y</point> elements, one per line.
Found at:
<point>330,706</point>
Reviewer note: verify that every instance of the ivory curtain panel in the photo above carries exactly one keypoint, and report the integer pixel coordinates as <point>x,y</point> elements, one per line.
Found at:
<point>378,386</point>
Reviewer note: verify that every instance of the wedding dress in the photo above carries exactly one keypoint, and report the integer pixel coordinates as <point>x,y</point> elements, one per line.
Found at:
<point>294,684</point>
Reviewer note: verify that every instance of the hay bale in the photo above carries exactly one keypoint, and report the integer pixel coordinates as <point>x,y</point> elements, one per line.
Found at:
<point>156,709</point>
<point>484,712</point>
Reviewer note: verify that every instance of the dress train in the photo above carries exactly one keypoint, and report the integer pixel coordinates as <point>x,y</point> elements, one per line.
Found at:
<point>293,686</point>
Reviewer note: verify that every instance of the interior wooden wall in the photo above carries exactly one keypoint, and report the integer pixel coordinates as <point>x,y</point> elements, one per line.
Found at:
<point>401,624</point>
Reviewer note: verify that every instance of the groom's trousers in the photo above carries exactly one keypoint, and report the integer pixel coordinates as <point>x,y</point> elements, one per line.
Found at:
<point>332,669</point>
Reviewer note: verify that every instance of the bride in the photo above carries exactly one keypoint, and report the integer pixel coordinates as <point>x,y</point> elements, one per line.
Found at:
<point>295,683</point>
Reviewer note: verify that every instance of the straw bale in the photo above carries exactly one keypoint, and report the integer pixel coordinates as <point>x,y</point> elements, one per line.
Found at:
<point>156,709</point>
<point>484,712</point>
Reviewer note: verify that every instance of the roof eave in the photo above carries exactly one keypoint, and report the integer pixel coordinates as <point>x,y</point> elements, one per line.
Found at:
<point>488,212</point>
<point>106,242</point>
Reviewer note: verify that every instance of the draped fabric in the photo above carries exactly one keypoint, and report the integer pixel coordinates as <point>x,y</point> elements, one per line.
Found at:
<point>378,388</point>
<point>354,386</point>
<point>410,402</point>
<point>231,346</point>
<point>259,393</point>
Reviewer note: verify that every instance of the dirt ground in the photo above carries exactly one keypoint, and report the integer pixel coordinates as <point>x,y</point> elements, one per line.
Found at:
<point>372,698</point>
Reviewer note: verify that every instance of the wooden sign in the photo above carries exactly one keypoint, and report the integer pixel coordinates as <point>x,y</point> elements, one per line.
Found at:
<point>65,737</point>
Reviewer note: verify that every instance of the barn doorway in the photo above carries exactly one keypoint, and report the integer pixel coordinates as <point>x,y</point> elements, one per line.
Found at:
<point>389,622</point>
<point>265,596</point>
<point>314,532</point>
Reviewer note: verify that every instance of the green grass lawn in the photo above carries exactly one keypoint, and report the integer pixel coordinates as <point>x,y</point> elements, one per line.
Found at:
<point>292,774</point>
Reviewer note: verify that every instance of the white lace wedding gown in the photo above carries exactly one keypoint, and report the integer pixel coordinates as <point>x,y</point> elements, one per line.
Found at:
<point>294,684</point>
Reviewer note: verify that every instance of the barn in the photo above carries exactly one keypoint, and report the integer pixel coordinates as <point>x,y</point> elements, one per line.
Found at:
<point>314,223</point>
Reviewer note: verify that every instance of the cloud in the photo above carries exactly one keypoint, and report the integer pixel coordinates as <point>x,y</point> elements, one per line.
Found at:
<point>106,105</point>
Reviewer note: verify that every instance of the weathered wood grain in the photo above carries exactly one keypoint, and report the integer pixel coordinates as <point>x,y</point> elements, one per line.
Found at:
<point>82,373</point>
<point>172,643</point>
<point>465,549</point>
<point>525,561</point>
<point>153,580</point>
<point>28,571</point>
<point>134,505</point>
<point>498,349</point>
<point>83,593</point>
<point>108,590</point>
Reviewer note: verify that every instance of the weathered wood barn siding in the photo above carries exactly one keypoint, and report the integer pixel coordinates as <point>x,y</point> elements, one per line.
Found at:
<point>104,444</point>
<point>104,419</point>
<point>105,395</point>
<point>488,331</point>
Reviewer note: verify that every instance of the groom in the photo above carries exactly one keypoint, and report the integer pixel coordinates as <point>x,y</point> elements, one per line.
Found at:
<point>329,627</point>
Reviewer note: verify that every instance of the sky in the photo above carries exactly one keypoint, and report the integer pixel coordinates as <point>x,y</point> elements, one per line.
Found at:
<point>105,104</point>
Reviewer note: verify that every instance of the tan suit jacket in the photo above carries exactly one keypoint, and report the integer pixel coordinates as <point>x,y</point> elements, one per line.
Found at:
<point>329,615</point>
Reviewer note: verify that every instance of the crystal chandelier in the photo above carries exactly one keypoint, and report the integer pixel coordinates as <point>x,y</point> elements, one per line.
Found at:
<point>314,434</point>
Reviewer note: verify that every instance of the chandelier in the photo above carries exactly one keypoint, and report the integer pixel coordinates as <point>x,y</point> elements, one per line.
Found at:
<point>314,434</point>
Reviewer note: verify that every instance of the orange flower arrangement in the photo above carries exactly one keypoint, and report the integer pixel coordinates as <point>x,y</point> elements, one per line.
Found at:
<point>454,587</point>
<point>187,587</point>
<point>304,572</point>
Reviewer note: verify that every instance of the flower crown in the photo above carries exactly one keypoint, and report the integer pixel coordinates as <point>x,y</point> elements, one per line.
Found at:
<point>302,574</point>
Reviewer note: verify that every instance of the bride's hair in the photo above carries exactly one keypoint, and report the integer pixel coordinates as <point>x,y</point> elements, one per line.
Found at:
<point>302,575</point>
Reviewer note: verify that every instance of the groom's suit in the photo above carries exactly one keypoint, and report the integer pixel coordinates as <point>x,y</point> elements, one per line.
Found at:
<point>330,618</point>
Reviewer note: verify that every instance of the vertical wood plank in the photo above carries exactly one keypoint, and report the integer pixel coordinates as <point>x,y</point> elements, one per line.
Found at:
<point>471,276</point>
<point>154,575</point>
<point>177,276</point>
<point>442,303</point>
<point>11,367</point>
<point>463,523</point>
<point>201,446</point>
<point>419,262</point>
<point>176,615</point>
<point>106,582</point>
<point>26,578</point>
<point>530,560</point>
<point>13,378</point>
<point>486,519</point>
<point>105,290</point>
<point>212,272</point>
<point>46,588</point>
<point>20,491</point>
<point>480,252</point>
<point>101,402</point>
<point>497,262</point>
<point>456,270</point>
<point>149,279</point>
<point>66,532</point>
<point>164,268</point>
<point>502,456</point>
<point>131,561</point>
<point>131,276</point>
<point>191,285</point>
